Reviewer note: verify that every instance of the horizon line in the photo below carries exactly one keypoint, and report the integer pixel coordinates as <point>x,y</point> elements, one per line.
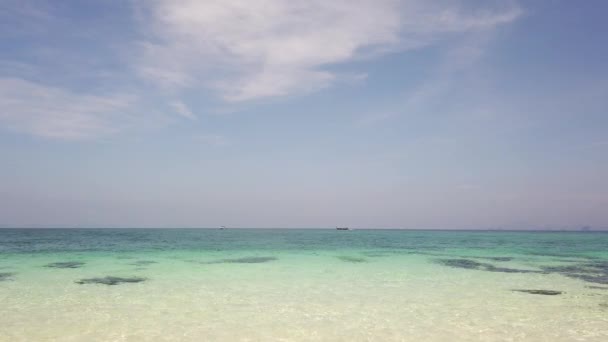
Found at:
<point>582,229</point>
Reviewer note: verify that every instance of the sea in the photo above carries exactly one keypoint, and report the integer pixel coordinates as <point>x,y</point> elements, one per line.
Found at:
<point>302,285</point>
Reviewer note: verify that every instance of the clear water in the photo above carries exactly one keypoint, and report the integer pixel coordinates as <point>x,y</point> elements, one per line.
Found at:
<point>301,285</point>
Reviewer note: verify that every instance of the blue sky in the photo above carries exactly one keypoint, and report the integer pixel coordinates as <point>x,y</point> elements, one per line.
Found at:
<point>276,113</point>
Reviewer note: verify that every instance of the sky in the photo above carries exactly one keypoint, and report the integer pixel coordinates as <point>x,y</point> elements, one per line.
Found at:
<point>283,113</point>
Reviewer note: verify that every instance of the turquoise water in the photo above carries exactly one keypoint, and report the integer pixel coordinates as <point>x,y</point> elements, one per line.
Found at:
<point>302,285</point>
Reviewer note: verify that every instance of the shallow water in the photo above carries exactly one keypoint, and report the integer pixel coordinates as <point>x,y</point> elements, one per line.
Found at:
<point>302,285</point>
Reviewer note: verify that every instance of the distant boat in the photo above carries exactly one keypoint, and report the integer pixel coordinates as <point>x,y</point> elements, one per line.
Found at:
<point>342,228</point>
<point>223,227</point>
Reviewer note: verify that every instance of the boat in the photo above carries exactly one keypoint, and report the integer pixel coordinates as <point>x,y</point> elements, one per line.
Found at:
<point>342,228</point>
<point>223,227</point>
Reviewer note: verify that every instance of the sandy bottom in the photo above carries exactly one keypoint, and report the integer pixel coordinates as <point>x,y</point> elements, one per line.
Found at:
<point>350,295</point>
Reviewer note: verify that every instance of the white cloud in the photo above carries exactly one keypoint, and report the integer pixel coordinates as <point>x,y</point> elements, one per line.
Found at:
<point>240,49</point>
<point>183,110</point>
<point>251,49</point>
<point>58,113</point>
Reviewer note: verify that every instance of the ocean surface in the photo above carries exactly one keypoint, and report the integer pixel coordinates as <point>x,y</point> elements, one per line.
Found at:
<point>302,285</point>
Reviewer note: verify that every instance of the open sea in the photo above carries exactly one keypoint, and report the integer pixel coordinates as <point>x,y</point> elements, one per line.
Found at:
<point>302,285</point>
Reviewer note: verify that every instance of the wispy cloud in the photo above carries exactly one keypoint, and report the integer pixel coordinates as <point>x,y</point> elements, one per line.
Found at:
<point>57,113</point>
<point>183,110</point>
<point>456,68</point>
<point>251,49</point>
<point>240,50</point>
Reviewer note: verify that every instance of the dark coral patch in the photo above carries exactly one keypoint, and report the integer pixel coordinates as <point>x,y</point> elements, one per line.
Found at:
<point>592,272</point>
<point>492,258</point>
<point>497,258</point>
<point>492,268</point>
<point>481,266</point>
<point>110,280</point>
<point>597,287</point>
<point>540,292</point>
<point>244,260</point>
<point>249,260</point>
<point>597,279</point>
<point>461,263</point>
<point>6,276</point>
<point>352,259</point>
<point>144,262</point>
<point>375,255</point>
<point>65,264</point>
